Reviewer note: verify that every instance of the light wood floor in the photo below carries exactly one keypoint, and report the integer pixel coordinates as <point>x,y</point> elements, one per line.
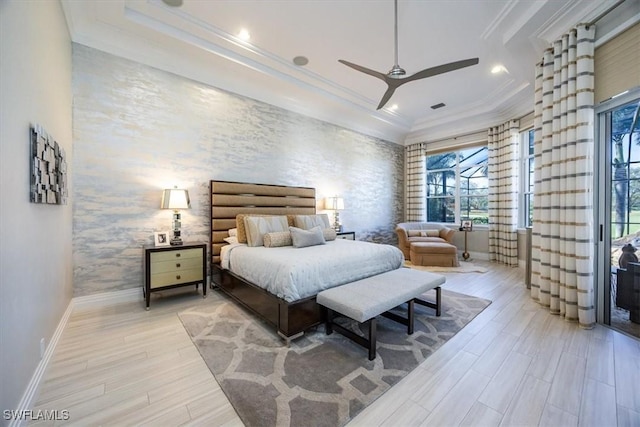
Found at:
<point>513,365</point>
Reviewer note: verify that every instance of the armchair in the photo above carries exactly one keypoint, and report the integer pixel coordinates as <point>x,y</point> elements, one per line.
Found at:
<point>409,232</point>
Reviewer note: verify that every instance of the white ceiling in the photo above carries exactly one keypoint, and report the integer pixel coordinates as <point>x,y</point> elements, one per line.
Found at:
<point>199,40</point>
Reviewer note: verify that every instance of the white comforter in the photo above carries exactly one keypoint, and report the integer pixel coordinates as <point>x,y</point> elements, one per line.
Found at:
<point>295,273</point>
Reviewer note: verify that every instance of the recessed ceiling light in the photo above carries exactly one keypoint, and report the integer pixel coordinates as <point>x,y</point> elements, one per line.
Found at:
<point>394,107</point>
<point>498,69</point>
<point>244,34</point>
<point>301,60</point>
<point>173,3</point>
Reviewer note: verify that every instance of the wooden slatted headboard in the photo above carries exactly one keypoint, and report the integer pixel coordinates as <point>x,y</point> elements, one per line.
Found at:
<point>229,199</point>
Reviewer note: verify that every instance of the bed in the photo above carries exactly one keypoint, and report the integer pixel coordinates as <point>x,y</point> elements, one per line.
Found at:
<point>291,307</point>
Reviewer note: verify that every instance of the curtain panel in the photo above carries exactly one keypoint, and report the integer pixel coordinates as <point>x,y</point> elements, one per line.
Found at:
<point>503,143</point>
<point>562,249</point>
<point>416,182</point>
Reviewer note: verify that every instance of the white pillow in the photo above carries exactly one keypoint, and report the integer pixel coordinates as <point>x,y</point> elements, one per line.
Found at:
<point>303,238</point>
<point>233,232</point>
<point>258,226</point>
<point>231,239</point>
<point>307,222</point>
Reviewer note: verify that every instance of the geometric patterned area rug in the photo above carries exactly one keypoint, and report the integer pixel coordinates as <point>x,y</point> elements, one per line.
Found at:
<point>319,379</point>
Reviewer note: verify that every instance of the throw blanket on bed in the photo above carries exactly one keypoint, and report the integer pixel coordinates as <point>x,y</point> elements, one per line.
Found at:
<point>295,273</point>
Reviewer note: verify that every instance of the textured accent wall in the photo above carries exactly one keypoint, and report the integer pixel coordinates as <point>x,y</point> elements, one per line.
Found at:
<point>138,130</point>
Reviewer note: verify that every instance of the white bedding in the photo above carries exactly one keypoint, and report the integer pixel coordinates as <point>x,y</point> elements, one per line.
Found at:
<point>294,273</point>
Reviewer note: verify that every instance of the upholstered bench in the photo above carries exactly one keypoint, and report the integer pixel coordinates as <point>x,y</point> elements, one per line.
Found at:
<point>367,298</point>
<point>433,253</point>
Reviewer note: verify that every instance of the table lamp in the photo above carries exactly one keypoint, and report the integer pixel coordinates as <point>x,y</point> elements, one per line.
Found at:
<point>335,204</point>
<point>176,199</point>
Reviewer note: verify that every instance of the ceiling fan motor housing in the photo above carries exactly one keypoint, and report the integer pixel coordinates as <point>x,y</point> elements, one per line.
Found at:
<point>396,72</point>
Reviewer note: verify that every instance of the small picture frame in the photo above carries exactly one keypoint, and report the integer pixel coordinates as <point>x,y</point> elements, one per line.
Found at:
<point>161,238</point>
<point>466,225</point>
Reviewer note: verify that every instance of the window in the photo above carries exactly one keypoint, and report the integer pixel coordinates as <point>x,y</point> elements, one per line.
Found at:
<point>527,163</point>
<point>457,186</point>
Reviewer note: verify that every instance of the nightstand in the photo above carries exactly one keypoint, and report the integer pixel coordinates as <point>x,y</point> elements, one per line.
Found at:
<point>347,235</point>
<point>167,267</point>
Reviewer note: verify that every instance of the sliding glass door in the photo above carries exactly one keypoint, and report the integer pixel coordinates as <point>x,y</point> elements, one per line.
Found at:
<point>619,214</point>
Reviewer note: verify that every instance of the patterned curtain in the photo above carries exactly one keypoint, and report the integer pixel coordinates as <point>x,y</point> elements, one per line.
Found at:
<point>503,142</point>
<point>563,254</point>
<point>415,178</point>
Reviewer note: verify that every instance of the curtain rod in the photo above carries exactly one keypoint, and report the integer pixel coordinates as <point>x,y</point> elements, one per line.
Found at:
<point>605,13</point>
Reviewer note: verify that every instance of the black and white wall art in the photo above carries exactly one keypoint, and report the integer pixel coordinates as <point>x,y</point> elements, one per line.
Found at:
<point>48,169</point>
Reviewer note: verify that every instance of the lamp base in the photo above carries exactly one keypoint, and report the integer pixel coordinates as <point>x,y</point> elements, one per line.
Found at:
<point>176,240</point>
<point>336,222</point>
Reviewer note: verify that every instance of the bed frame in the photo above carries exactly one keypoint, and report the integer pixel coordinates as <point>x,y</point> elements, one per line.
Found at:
<point>229,199</point>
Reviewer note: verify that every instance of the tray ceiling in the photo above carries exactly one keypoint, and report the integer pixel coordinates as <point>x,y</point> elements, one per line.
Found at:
<point>200,40</point>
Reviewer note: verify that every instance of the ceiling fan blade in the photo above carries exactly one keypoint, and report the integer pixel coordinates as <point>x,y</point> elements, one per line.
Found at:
<point>386,96</point>
<point>440,69</point>
<point>362,69</point>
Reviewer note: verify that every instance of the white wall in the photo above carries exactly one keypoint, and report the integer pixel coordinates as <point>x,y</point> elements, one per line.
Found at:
<point>35,240</point>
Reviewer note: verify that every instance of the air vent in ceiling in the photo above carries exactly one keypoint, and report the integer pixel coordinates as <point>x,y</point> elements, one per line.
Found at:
<point>435,107</point>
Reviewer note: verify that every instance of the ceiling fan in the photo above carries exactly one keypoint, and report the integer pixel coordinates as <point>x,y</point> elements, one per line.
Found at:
<point>394,78</point>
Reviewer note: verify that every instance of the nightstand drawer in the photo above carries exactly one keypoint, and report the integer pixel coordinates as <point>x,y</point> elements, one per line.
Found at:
<point>176,277</point>
<point>175,265</point>
<point>175,255</point>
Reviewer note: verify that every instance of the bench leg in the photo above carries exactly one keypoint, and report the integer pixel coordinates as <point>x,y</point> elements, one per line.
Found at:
<point>369,344</point>
<point>438,304</point>
<point>410,318</point>
<point>372,338</point>
<point>328,325</point>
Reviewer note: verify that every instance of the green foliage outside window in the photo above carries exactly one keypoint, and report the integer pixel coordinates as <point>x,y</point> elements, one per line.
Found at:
<point>462,173</point>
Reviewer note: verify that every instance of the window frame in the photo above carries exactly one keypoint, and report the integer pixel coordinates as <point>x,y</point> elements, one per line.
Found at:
<point>457,196</point>
<point>525,186</point>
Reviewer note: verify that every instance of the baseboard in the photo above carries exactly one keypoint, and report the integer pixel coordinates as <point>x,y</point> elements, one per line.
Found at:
<point>30,395</point>
<point>108,298</point>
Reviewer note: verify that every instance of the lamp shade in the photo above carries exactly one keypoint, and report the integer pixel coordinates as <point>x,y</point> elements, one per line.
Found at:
<point>175,198</point>
<point>334,203</point>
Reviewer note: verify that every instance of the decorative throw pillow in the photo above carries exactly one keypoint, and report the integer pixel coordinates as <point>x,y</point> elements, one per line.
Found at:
<point>433,233</point>
<point>231,239</point>
<point>277,239</point>
<point>329,234</point>
<point>241,230</point>
<point>303,238</point>
<point>307,222</point>
<point>233,232</point>
<point>257,226</point>
<point>241,233</point>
